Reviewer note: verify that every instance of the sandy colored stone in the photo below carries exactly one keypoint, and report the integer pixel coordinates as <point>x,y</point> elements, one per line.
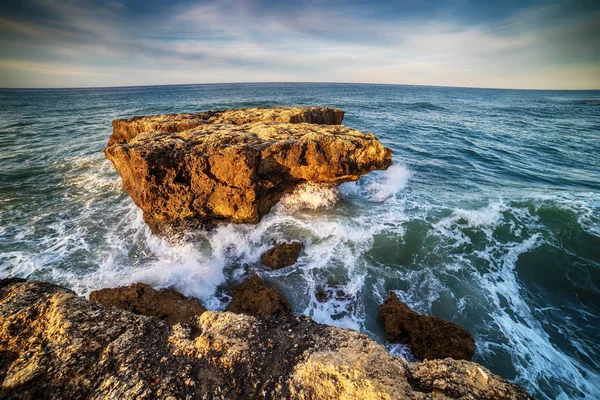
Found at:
<point>185,170</point>
<point>62,346</point>
<point>126,129</point>
<point>428,337</point>
<point>139,298</point>
<point>282,255</point>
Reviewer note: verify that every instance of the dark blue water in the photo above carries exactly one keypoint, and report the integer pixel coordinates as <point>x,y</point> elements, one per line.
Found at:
<point>490,216</point>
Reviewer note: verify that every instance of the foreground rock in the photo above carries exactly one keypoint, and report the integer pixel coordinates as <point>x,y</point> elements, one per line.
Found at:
<point>139,298</point>
<point>282,255</point>
<point>56,345</point>
<point>428,337</point>
<point>234,165</point>
<point>253,298</point>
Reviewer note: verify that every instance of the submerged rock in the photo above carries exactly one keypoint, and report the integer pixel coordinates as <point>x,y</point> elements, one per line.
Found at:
<point>252,297</point>
<point>62,346</point>
<point>428,337</point>
<point>282,255</point>
<point>234,165</point>
<point>333,290</point>
<point>139,298</point>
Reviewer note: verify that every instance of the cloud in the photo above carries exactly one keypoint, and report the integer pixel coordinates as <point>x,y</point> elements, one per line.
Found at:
<point>83,43</point>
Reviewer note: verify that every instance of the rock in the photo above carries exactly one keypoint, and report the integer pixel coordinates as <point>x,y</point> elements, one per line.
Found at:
<point>282,255</point>
<point>333,290</point>
<point>126,129</point>
<point>63,346</point>
<point>428,337</point>
<point>472,381</point>
<point>253,298</point>
<point>139,298</point>
<point>197,169</point>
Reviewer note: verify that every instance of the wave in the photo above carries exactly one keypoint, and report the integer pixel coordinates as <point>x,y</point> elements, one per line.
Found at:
<point>492,264</point>
<point>422,106</point>
<point>310,196</point>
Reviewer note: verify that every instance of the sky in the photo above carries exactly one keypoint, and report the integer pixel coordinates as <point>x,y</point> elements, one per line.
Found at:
<point>505,44</point>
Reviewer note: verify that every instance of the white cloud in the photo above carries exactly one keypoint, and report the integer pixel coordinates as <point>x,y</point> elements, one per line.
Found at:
<point>232,42</point>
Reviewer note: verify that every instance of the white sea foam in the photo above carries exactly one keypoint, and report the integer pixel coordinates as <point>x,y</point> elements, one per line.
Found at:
<point>394,180</point>
<point>533,353</point>
<point>400,350</point>
<point>310,196</point>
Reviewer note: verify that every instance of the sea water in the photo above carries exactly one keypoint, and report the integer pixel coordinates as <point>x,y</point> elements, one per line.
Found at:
<point>489,216</point>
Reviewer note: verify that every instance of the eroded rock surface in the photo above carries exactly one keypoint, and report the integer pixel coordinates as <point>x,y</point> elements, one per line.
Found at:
<point>282,255</point>
<point>234,165</point>
<point>126,129</point>
<point>428,337</point>
<point>252,297</point>
<point>139,298</point>
<point>56,345</point>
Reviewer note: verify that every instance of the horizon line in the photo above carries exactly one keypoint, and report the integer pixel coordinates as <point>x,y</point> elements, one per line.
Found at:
<point>293,82</point>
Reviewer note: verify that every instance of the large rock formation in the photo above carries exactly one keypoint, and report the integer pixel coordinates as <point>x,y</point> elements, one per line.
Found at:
<point>56,345</point>
<point>428,337</point>
<point>234,165</point>
<point>139,298</point>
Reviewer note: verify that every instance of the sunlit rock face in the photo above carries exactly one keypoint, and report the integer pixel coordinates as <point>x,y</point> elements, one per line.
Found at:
<point>234,165</point>
<point>56,345</point>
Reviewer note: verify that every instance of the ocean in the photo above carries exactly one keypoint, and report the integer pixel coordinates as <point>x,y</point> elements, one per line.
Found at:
<point>489,216</point>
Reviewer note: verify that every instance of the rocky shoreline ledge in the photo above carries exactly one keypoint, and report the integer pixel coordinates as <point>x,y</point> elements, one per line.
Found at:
<point>57,345</point>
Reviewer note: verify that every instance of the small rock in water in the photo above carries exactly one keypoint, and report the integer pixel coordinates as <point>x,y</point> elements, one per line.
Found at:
<point>331,291</point>
<point>428,337</point>
<point>139,298</point>
<point>253,298</point>
<point>282,255</point>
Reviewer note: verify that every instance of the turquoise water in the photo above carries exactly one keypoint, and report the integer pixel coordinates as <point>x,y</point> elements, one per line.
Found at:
<point>489,217</point>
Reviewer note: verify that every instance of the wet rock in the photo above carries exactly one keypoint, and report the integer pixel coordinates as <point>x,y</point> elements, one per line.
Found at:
<point>282,255</point>
<point>198,169</point>
<point>62,346</point>
<point>252,297</point>
<point>139,298</point>
<point>333,290</point>
<point>428,337</point>
<point>321,294</point>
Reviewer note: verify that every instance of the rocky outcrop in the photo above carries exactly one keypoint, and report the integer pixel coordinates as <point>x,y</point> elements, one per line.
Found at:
<point>428,337</point>
<point>56,345</point>
<point>282,255</point>
<point>252,297</point>
<point>234,165</point>
<point>139,298</point>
